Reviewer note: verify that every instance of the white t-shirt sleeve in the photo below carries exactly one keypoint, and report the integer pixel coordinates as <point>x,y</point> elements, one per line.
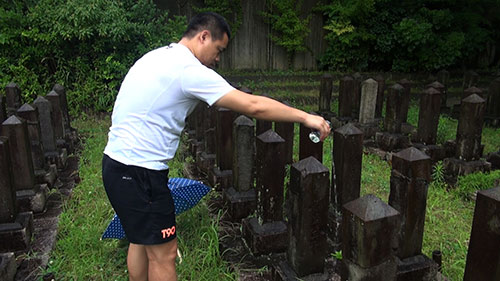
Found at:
<point>203,83</point>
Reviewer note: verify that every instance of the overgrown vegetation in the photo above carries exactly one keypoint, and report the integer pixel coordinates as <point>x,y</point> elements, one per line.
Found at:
<point>87,45</point>
<point>410,35</point>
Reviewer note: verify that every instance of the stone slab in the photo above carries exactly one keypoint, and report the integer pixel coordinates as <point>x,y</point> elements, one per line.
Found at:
<point>391,141</point>
<point>17,236</point>
<point>338,122</point>
<point>494,159</point>
<point>284,272</point>
<point>8,266</point>
<point>59,158</point>
<point>240,204</point>
<point>417,268</point>
<point>385,271</point>
<point>408,129</point>
<point>265,238</point>
<point>369,129</point>
<point>32,199</point>
<point>220,180</point>
<point>435,152</point>
<point>454,168</point>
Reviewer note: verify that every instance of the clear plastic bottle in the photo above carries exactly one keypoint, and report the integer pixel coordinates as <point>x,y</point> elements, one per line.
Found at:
<point>314,136</point>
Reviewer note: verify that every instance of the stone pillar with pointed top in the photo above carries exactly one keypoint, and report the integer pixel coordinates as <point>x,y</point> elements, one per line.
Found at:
<point>309,197</point>
<point>370,237</point>
<point>307,147</point>
<point>410,178</point>
<point>20,150</point>
<point>8,207</point>
<point>3,109</point>
<point>380,95</point>
<point>15,228</point>
<point>443,77</point>
<point>483,257</point>
<point>267,232</point>
<point>470,127</point>
<point>241,196</point>
<point>13,98</point>
<point>45,116</point>
<point>325,93</point>
<point>367,108</point>
<point>346,175</point>
<point>221,176</point>
<point>493,104</point>
<point>471,91</point>
<point>29,195</point>
<point>57,115</point>
<point>61,91</point>
<point>30,114</point>
<point>470,79</point>
<point>428,117</point>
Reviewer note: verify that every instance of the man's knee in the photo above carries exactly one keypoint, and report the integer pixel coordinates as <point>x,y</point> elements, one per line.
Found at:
<point>161,253</point>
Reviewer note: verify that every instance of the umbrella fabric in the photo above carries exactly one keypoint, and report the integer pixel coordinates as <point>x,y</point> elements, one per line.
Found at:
<point>186,193</point>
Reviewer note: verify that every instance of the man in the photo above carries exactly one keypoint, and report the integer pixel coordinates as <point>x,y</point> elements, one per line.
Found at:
<point>156,96</point>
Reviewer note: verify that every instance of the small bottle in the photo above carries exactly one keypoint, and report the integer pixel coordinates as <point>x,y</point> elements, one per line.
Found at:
<point>314,135</point>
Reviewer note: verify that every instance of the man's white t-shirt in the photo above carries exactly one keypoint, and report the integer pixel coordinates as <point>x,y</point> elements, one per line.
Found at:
<point>160,90</point>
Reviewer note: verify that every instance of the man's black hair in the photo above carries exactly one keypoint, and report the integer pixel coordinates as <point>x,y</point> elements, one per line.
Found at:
<point>210,21</point>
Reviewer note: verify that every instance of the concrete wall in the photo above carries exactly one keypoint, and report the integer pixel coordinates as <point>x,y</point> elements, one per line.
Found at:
<point>251,47</point>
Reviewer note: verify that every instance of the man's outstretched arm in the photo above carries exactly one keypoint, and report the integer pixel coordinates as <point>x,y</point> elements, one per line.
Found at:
<point>268,109</point>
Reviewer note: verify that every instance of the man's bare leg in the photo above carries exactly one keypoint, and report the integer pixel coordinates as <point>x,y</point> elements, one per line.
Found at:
<point>137,262</point>
<point>161,260</point>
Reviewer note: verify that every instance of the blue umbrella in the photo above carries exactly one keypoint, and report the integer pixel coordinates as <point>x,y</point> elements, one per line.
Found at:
<point>185,192</point>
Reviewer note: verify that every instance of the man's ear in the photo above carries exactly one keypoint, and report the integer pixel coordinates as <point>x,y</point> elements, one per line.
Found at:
<point>205,35</point>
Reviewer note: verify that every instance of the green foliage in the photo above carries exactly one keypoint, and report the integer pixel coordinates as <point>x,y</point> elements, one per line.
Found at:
<point>468,184</point>
<point>406,36</point>
<point>86,45</point>
<point>290,29</point>
<point>230,10</point>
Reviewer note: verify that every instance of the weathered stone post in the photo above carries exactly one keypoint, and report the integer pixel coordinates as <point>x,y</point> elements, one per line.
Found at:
<point>468,150</point>
<point>356,95</point>
<point>346,89</point>
<point>309,194</point>
<point>8,207</point>
<point>392,138</point>
<point>470,128</point>
<point>325,93</point>
<point>428,117</point>
<point>57,116</point>
<point>393,119</point>
<point>471,91</point>
<point>367,108</point>
<point>208,156</point>
<point>267,232</point>
<point>15,228</point>
<point>221,176</point>
<point>443,77</point>
<point>410,177</point>
<point>13,98</point>
<point>20,150</point>
<point>61,91</point>
<point>405,99</point>
<point>307,147</point>
<point>493,105</point>
<point>380,95</point>
<point>241,197</point>
<point>286,131</point>
<point>370,237</point>
<point>483,257</point>
<point>470,79</point>
<point>45,116</point>
<point>30,197</point>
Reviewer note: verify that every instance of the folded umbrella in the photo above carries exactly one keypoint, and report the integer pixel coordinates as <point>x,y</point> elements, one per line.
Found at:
<point>186,193</point>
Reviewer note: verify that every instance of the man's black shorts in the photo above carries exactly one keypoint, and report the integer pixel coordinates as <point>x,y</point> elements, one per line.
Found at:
<point>142,201</point>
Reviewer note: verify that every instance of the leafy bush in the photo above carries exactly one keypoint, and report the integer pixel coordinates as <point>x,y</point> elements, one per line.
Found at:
<point>85,45</point>
<point>469,184</point>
